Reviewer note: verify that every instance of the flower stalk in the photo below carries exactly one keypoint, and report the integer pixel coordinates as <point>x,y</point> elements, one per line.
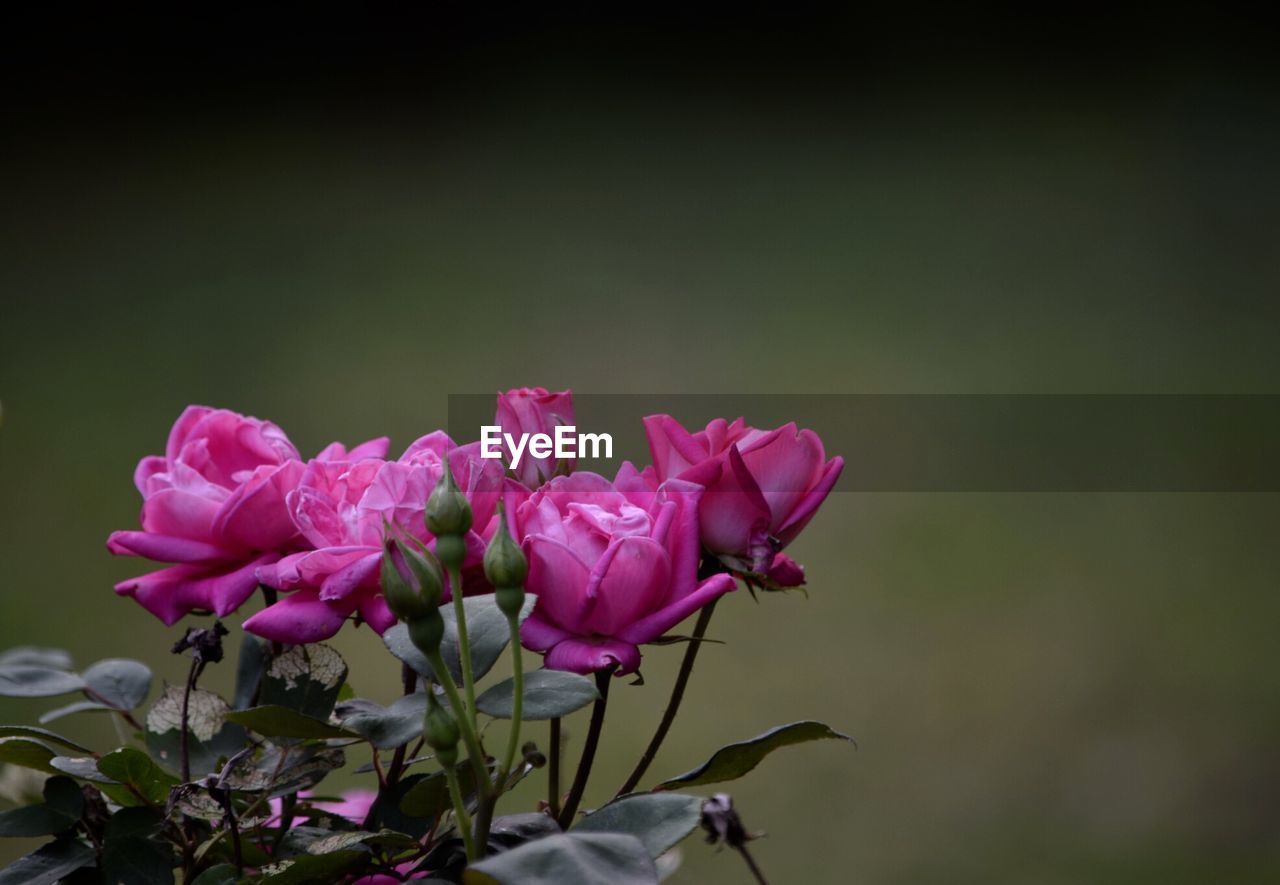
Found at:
<point>603,678</point>
<point>673,703</point>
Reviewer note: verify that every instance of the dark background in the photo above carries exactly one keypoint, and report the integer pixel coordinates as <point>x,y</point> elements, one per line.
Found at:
<point>336,220</point>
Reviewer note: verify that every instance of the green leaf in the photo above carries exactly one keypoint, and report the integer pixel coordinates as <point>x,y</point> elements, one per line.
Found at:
<point>320,840</point>
<point>275,721</point>
<point>42,734</point>
<point>305,678</point>
<point>734,760</point>
<point>547,694</point>
<point>659,820</point>
<point>32,656</point>
<point>282,770</point>
<point>48,865</point>
<point>73,707</point>
<point>255,654</point>
<point>569,857</point>
<point>487,633</point>
<point>134,769</point>
<point>222,874</point>
<point>308,868</point>
<point>33,820</point>
<point>61,810</point>
<point>28,681</point>
<point>118,682</point>
<point>211,737</point>
<point>385,727</point>
<point>130,855</point>
<point>27,753</point>
<point>83,767</point>
<point>511,830</point>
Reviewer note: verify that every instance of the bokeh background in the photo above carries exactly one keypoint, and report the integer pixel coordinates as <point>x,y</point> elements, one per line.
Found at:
<point>336,224</point>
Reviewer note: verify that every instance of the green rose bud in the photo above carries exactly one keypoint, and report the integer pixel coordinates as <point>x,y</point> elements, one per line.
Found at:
<point>504,562</point>
<point>448,512</point>
<point>411,581</point>
<point>441,732</point>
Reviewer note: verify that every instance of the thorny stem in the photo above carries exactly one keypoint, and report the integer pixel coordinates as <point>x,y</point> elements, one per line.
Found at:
<point>603,678</point>
<point>553,769</point>
<point>673,705</point>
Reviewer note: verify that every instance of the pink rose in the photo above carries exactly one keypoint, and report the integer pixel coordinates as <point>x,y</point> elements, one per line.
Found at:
<point>214,503</point>
<point>339,508</point>
<point>530,410</point>
<point>763,486</point>
<point>613,565</point>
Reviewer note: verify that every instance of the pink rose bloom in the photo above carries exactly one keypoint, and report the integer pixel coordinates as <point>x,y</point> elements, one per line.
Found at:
<point>214,503</point>
<point>613,565</point>
<point>340,507</point>
<point>533,410</point>
<point>763,487</point>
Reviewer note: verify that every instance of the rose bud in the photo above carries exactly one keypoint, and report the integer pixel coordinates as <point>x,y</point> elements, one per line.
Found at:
<point>411,582</point>
<point>530,411</point>
<point>506,567</point>
<point>441,732</point>
<point>448,517</point>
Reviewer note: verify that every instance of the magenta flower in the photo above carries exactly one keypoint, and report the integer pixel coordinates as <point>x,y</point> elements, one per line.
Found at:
<point>340,508</point>
<point>214,504</point>
<point>530,410</point>
<point>614,565</point>
<point>763,486</point>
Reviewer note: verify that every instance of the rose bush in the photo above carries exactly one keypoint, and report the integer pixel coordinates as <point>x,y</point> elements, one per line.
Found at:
<point>454,560</point>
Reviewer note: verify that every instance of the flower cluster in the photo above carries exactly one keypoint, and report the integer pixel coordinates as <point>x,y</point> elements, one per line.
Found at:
<point>614,563</point>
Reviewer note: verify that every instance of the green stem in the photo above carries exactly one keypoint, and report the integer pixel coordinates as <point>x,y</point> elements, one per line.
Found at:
<point>474,752</point>
<point>603,678</point>
<point>673,704</point>
<point>464,644</point>
<point>517,711</point>
<point>553,769</point>
<point>460,811</point>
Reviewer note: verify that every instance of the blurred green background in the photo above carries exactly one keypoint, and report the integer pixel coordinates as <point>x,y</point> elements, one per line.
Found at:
<point>1046,688</point>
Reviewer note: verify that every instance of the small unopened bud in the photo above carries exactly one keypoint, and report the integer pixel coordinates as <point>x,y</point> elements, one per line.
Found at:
<point>411,581</point>
<point>427,631</point>
<point>441,732</point>
<point>504,562</point>
<point>448,512</point>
